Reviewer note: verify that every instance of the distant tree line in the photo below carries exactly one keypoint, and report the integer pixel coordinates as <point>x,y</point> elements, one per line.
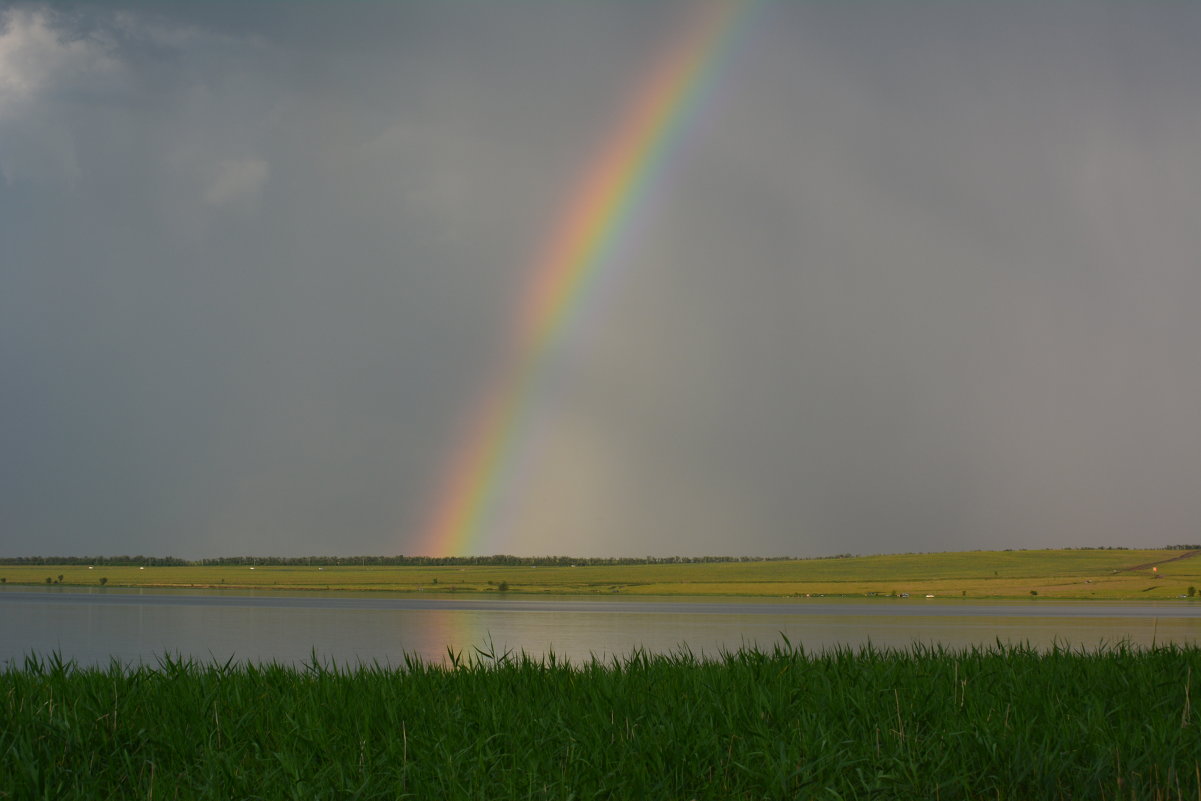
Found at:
<point>1126,548</point>
<point>500,560</point>
<point>496,560</point>
<point>96,560</point>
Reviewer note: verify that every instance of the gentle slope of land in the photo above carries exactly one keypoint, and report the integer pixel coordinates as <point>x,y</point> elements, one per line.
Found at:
<point>1084,574</point>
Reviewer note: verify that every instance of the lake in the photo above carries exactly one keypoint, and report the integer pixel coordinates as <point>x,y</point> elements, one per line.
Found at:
<point>94,626</point>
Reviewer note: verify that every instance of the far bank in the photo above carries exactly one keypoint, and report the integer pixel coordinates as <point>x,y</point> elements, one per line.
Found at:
<point>1148,574</point>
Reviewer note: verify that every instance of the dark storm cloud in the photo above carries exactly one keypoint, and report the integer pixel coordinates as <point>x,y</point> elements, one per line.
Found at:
<point>922,277</point>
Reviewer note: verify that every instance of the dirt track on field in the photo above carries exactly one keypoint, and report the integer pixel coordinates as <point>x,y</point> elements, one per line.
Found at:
<point>1149,565</point>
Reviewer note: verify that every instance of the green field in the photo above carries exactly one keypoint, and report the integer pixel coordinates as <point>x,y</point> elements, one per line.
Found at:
<point>1084,574</point>
<point>1008,723</point>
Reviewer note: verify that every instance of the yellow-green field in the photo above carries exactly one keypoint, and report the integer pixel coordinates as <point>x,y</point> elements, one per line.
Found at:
<point>976,574</point>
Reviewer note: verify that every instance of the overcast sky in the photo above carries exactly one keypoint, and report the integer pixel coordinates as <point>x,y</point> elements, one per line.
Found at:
<point>923,276</point>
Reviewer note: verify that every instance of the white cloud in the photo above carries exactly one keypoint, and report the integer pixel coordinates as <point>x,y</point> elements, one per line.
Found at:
<point>236,181</point>
<point>41,62</point>
<point>36,56</point>
<point>70,88</point>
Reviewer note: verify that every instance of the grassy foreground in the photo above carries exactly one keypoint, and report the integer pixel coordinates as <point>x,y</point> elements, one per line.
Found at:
<point>1087,574</point>
<point>1000,723</point>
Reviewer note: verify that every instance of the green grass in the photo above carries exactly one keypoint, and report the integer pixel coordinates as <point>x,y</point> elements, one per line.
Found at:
<point>998,723</point>
<point>1087,574</point>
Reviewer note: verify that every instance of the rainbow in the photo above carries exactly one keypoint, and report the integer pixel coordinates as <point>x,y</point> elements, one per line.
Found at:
<point>598,218</point>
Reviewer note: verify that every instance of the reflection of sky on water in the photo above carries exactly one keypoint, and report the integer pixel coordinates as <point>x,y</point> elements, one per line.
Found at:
<point>91,630</point>
<point>579,635</point>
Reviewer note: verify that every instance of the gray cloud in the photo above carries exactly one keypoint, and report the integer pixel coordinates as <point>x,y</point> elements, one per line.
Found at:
<point>919,278</point>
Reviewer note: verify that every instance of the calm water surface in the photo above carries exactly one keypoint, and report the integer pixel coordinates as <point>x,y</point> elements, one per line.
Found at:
<point>95,626</point>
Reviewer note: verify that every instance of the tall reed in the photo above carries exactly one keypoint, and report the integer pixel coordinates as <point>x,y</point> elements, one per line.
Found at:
<point>1002,722</point>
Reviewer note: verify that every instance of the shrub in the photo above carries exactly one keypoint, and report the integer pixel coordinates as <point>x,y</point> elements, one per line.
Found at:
<point>503,586</point>
<point>103,581</point>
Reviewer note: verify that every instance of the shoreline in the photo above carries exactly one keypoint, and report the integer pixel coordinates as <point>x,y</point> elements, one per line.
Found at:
<point>492,596</point>
<point>1085,575</point>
